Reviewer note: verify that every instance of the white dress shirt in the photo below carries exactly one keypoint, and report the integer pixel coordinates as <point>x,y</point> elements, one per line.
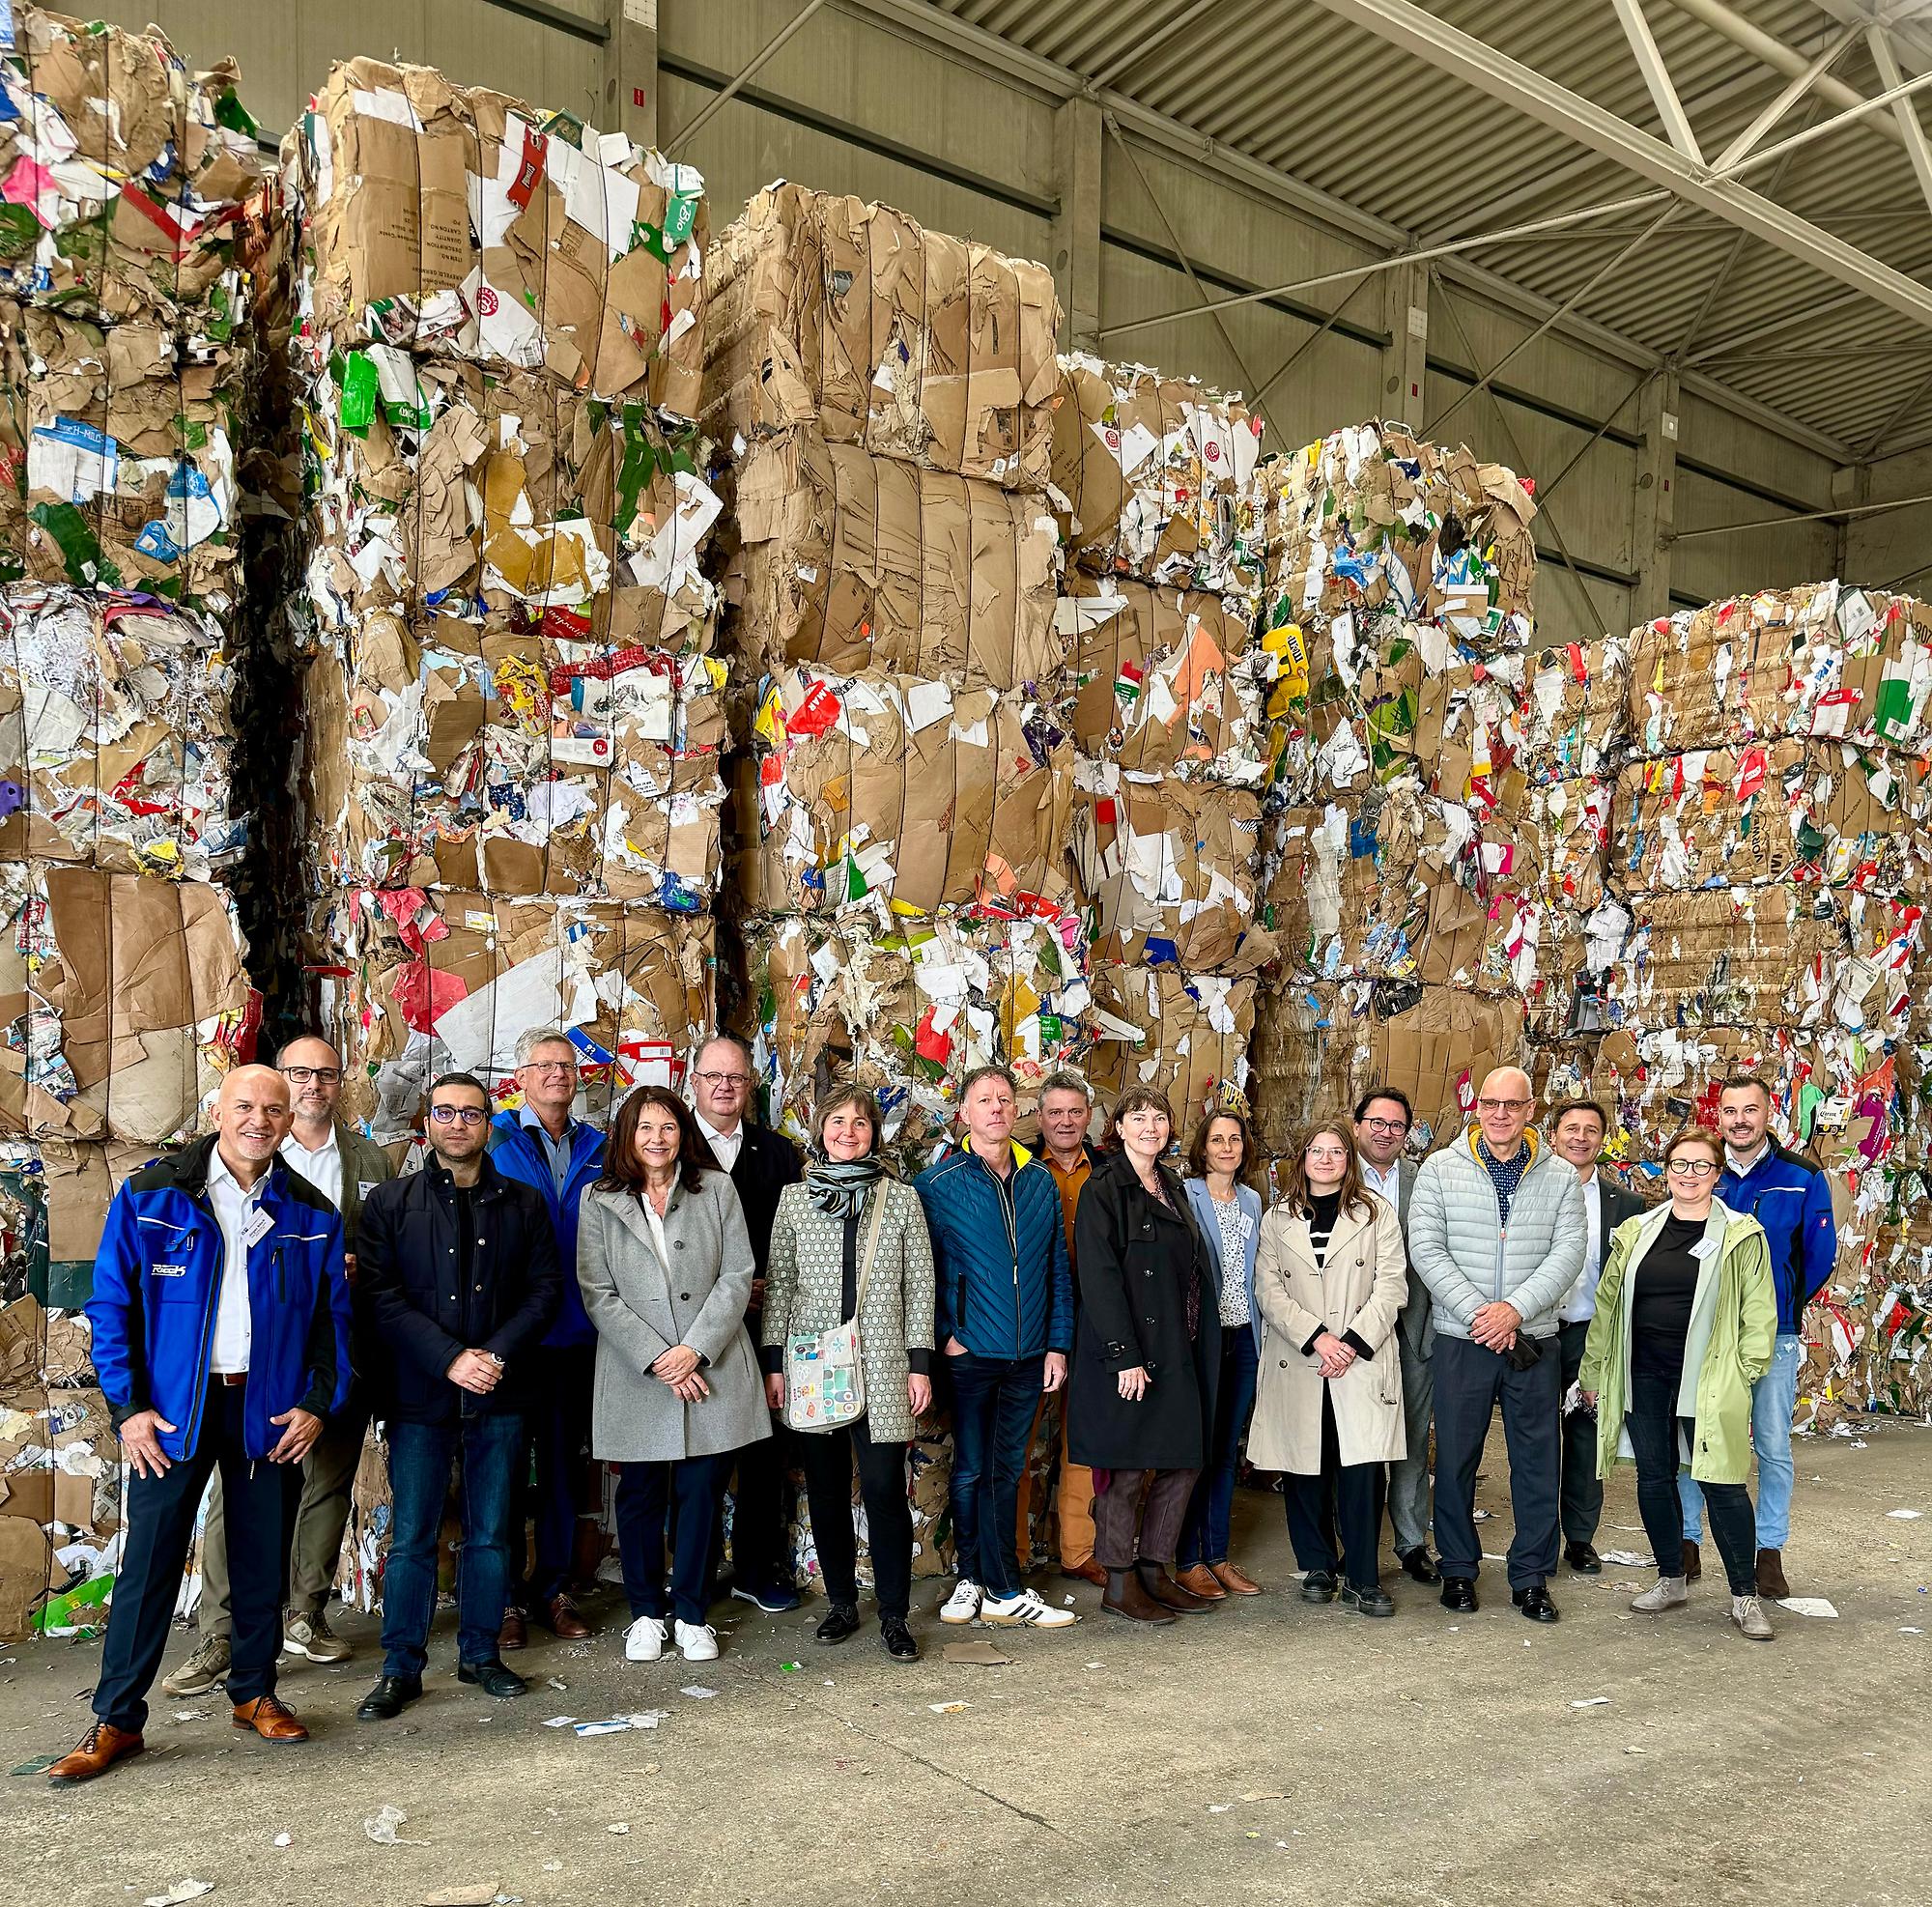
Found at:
<point>1386,1184</point>
<point>1581,1306</point>
<point>235,1210</point>
<point>725,1146</point>
<point>322,1167</point>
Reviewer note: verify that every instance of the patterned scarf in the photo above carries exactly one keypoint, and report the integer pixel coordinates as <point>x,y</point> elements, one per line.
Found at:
<point>838,1187</point>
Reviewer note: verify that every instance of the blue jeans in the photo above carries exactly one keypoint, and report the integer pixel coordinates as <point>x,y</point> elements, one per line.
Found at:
<point>993,1403</point>
<point>1205,1535</point>
<point>419,1456</point>
<point>1774,1400</point>
<point>674,1504</point>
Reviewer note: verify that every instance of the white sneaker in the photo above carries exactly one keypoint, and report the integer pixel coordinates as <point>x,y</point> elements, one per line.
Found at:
<point>1668,1592</point>
<point>963,1605</point>
<point>1024,1610</point>
<point>699,1640</point>
<point>644,1639</point>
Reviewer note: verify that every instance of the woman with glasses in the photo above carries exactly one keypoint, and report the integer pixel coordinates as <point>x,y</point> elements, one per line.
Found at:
<point>665,1265</point>
<point>850,1246</point>
<point>1686,1319</point>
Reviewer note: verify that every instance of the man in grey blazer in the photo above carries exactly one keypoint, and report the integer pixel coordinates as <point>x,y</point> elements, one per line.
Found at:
<point>1382,1119</point>
<point>1578,1131</point>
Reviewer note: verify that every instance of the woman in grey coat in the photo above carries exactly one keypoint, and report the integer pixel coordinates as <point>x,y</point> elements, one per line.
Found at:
<point>850,1241</point>
<point>665,1265</point>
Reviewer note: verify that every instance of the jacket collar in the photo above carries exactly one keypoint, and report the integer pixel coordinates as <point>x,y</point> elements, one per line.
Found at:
<point>489,1181</point>
<point>190,1169</point>
<point>1022,1158</point>
<point>1529,1139</point>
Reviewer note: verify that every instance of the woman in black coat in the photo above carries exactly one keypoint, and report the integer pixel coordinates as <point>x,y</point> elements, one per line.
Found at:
<point>1147,1349</point>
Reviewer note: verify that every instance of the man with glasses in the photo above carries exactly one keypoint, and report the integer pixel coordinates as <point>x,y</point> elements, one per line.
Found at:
<point>343,1167</point>
<point>1497,1232</point>
<point>1792,1200</point>
<point>1382,1119</point>
<point>461,1280</point>
<point>761,1163</point>
<point>543,1145</point>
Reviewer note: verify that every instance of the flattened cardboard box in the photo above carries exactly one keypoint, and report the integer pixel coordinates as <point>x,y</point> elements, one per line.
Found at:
<point>1345,896</point>
<point>1576,712</point>
<point>825,311</point>
<point>1184,1034</point>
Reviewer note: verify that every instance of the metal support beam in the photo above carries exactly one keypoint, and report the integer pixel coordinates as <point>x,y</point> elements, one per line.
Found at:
<point>1802,516</point>
<point>1656,513</point>
<point>1077,225</point>
<point>1657,76</point>
<point>1905,112</point>
<point>1407,26</point>
<point>719,99</point>
<point>631,68</point>
<point>1119,66</point>
<point>1406,361</point>
<point>1795,90</point>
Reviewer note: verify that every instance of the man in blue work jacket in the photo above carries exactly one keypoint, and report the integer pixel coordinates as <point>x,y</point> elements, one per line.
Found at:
<point>1791,1199</point>
<point>541,1145</point>
<point>1004,1317</point>
<point>220,1317</point>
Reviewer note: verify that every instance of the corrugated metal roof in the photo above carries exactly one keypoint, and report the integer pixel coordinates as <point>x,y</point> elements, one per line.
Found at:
<point>1290,85</point>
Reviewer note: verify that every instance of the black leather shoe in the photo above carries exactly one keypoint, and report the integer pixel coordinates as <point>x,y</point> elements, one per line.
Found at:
<point>1459,1593</point>
<point>840,1625</point>
<point>388,1699</point>
<point>1319,1586</point>
<point>493,1678</point>
<point>1583,1558</point>
<point>897,1639</point>
<point>1369,1602</point>
<point>1535,1604</point>
<point>1416,1565</point>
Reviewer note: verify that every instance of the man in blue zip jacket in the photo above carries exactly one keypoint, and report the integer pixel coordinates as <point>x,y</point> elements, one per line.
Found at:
<point>1005,1320</point>
<point>1791,1198</point>
<point>220,1319</point>
<point>541,1145</point>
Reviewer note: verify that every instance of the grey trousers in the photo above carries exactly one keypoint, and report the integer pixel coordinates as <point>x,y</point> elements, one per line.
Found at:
<point>1409,1484</point>
<point>1125,1533</point>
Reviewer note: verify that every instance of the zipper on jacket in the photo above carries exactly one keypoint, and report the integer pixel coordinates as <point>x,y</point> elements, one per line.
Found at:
<point>1008,1211</point>
<point>207,1344</point>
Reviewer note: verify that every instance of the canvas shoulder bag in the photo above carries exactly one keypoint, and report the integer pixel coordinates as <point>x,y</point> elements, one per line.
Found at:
<point>825,1381</point>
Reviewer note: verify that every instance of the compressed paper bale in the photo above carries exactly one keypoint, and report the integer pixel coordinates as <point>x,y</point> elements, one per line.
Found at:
<point>1345,895</point>
<point>825,311</point>
<point>1184,1034</point>
<point>853,561</point>
<point>1576,709</point>
<point>464,222</point>
<point>1156,477</point>
<point>1869,1334</point>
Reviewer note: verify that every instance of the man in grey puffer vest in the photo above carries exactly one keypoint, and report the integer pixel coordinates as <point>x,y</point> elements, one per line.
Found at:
<point>1497,1230</point>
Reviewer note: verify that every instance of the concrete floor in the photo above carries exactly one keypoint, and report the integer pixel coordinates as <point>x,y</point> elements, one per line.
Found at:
<point>1266,1750</point>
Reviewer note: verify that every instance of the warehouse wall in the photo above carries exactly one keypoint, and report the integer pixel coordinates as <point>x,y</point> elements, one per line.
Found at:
<point>850,106</point>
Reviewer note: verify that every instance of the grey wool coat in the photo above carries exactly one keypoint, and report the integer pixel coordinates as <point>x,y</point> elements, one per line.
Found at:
<point>641,1307</point>
<point>805,1285</point>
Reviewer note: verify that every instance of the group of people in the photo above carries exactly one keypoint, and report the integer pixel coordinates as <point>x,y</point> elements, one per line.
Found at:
<point>685,1302</point>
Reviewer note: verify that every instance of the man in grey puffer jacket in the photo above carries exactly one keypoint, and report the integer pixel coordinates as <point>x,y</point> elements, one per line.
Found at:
<point>1497,1230</point>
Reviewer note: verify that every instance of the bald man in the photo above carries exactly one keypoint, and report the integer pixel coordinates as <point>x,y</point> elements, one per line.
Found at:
<point>220,1317</point>
<point>1497,1230</point>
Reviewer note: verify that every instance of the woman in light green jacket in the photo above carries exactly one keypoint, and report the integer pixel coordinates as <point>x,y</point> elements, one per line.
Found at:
<point>1686,1320</point>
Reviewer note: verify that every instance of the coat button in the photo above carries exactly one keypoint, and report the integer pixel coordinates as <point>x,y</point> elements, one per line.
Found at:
<point>684,1297</point>
<point>479,1288</point>
<point>677,1244</point>
<point>1284,1363</point>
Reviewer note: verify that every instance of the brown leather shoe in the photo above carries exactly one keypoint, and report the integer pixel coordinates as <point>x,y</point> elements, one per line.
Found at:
<point>101,1748</point>
<point>1691,1567</point>
<point>515,1632</point>
<point>271,1718</point>
<point>1771,1586</point>
<point>1201,1582</point>
<point>1087,1572</point>
<point>564,1621</point>
<point>1233,1582</point>
<point>1168,1593</point>
<point>1126,1597</point>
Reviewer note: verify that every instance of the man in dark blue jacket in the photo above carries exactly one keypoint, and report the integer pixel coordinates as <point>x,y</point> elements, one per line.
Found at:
<point>1791,1198</point>
<point>543,1145</point>
<point>458,1270</point>
<point>220,1320</point>
<point>1005,1318</point>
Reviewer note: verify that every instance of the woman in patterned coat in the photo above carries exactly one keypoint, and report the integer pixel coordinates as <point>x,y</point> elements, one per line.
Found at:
<point>851,1223</point>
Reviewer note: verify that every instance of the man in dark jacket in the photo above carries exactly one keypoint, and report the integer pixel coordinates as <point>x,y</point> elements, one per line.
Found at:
<point>1792,1200</point>
<point>460,1275</point>
<point>761,1163</point>
<point>220,1323</point>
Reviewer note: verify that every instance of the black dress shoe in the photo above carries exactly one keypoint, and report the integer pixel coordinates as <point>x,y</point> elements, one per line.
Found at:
<point>897,1639</point>
<point>1459,1593</point>
<point>1319,1586</point>
<point>1416,1565</point>
<point>1583,1558</point>
<point>1368,1602</point>
<point>1535,1604</point>
<point>388,1699</point>
<point>840,1625</point>
<point>493,1678</point>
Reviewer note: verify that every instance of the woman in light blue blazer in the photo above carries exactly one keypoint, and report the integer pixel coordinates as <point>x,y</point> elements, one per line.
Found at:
<point>1229,1213</point>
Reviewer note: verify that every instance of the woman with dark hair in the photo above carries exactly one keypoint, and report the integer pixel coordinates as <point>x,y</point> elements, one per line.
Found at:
<point>1331,1277</point>
<point>1146,1354</point>
<point>849,1247</point>
<point>1229,1213</point>
<point>665,1265</point>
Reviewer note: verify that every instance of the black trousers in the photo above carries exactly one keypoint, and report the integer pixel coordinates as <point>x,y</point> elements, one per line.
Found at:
<point>1582,1488</point>
<point>258,1500</point>
<point>827,1457</point>
<point>1469,1379</point>
<point>1654,1426</point>
<point>558,1434</point>
<point>1346,1498</point>
<point>652,1499</point>
<point>761,1512</point>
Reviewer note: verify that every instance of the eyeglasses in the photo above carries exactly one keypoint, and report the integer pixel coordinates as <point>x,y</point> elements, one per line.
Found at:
<point>323,1075</point>
<point>1691,1168</point>
<point>1503,1105</point>
<point>1386,1124</point>
<point>548,1066</point>
<point>724,1078</point>
<point>450,1115</point>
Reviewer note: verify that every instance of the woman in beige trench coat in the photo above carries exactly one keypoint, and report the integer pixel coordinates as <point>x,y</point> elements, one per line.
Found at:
<point>1330,1278</point>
